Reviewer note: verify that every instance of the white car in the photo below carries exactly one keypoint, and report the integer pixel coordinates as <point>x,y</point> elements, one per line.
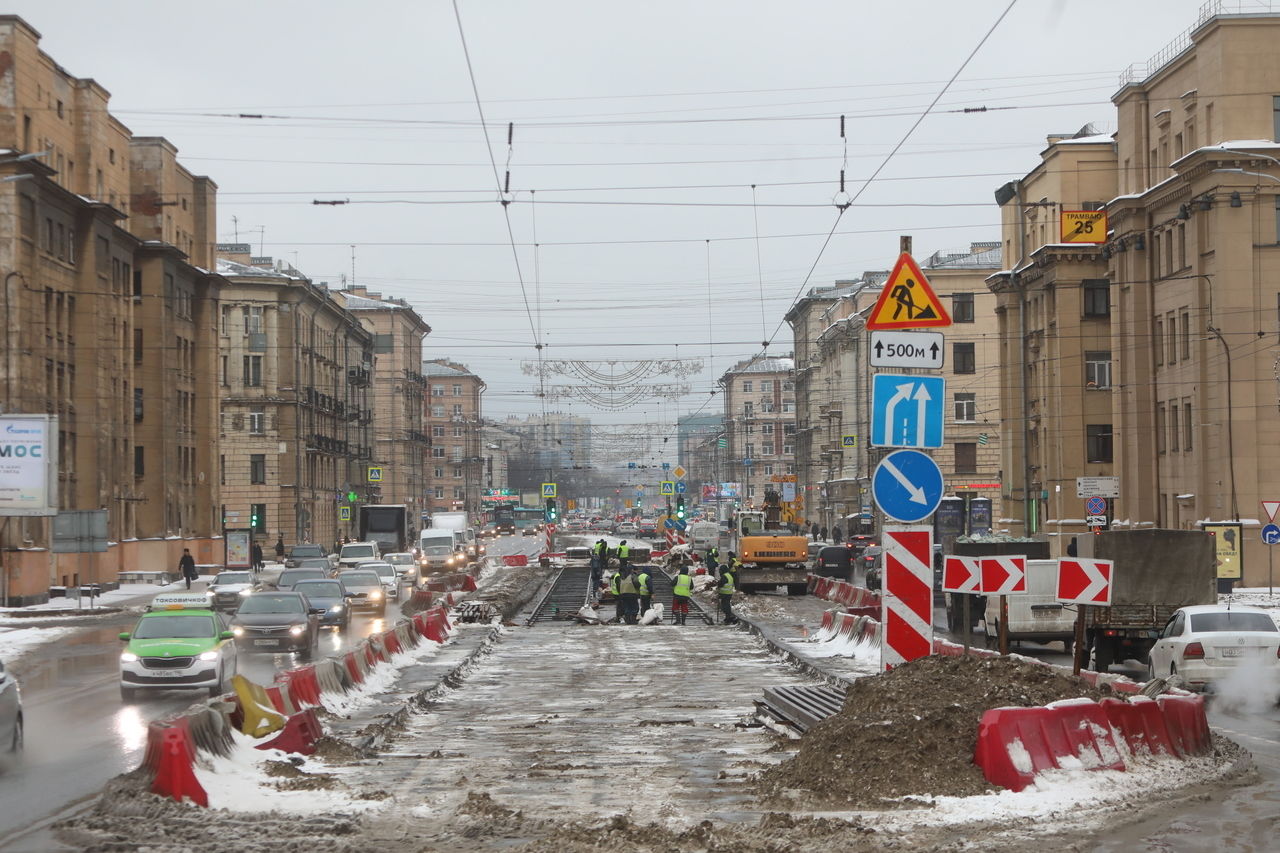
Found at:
<point>10,712</point>
<point>1205,643</point>
<point>354,553</point>
<point>387,573</point>
<point>627,528</point>
<point>406,563</point>
<point>228,589</point>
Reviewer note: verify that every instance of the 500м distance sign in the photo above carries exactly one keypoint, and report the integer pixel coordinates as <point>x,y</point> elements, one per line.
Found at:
<point>905,350</point>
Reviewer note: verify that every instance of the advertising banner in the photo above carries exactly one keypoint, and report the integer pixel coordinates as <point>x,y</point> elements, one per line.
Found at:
<point>238,554</point>
<point>28,465</point>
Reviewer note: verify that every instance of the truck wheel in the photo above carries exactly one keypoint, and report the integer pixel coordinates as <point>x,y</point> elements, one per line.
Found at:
<point>992,641</point>
<point>1103,656</point>
<point>1067,645</point>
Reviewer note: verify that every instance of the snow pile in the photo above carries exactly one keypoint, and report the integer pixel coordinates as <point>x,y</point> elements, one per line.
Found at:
<point>15,641</point>
<point>378,681</point>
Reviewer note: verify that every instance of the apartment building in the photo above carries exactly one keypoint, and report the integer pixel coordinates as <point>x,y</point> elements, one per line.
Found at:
<point>760,426</point>
<point>107,312</point>
<point>1054,322</point>
<point>453,416</point>
<point>295,374</point>
<point>401,446</point>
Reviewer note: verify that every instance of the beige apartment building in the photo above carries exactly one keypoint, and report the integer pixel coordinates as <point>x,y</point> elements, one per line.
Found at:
<point>108,310</point>
<point>1053,305</point>
<point>296,422</point>
<point>453,416</point>
<point>760,426</point>
<point>401,444</point>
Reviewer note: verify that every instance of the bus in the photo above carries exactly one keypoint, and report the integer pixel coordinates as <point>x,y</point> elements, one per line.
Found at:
<point>529,520</point>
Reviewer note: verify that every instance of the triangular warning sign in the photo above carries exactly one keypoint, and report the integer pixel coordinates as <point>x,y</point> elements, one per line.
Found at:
<point>1270,507</point>
<point>907,301</point>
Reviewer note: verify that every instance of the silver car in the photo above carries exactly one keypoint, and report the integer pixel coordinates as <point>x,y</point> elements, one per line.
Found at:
<point>387,573</point>
<point>10,712</point>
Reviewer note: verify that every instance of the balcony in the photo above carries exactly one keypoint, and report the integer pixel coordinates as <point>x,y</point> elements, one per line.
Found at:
<point>358,376</point>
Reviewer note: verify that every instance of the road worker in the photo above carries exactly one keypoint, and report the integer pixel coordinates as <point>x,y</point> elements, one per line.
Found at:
<point>615,587</point>
<point>681,590</point>
<point>644,586</point>
<point>712,559</point>
<point>726,587</point>
<point>630,596</point>
<point>624,553</point>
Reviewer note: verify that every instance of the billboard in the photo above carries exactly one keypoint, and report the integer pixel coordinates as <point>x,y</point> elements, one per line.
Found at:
<point>238,544</point>
<point>28,465</point>
<point>1227,539</point>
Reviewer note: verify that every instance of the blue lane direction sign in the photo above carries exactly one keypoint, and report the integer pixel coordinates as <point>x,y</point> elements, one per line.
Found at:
<point>680,524</point>
<point>907,486</point>
<point>907,411</point>
<point>1271,534</point>
<point>680,487</point>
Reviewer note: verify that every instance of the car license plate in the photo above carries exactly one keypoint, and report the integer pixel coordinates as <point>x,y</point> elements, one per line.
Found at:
<point>1238,651</point>
<point>266,642</point>
<point>167,673</point>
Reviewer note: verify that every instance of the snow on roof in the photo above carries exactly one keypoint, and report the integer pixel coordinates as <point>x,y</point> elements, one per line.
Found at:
<point>1087,140</point>
<point>364,303</point>
<point>234,268</point>
<point>435,368</point>
<point>770,364</point>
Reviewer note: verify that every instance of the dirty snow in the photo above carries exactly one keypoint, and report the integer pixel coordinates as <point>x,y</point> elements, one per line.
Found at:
<point>15,641</point>
<point>377,682</point>
<point>1019,756</point>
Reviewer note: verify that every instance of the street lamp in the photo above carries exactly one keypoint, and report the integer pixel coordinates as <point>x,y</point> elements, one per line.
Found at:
<point>1247,172</point>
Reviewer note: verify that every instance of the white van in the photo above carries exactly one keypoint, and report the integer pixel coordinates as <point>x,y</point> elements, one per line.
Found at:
<point>1036,616</point>
<point>704,535</point>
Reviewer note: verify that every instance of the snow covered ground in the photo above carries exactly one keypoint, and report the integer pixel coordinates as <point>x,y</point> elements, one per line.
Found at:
<point>15,641</point>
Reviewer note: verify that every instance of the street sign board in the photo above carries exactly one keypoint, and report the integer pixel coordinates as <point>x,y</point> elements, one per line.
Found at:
<point>907,486</point>
<point>679,472</point>
<point>961,574</point>
<point>907,350</point>
<point>1271,534</point>
<point>748,462</point>
<point>666,466</point>
<point>668,487</point>
<point>79,531</point>
<point>1083,581</point>
<point>680,487</point>
<point>1270,507</point>
<point>1004,575</point>
<point>907,411</point>
<point>848,441</point>
<point>1095,520</point>
<point>1095,506</point>
<point>375,473</point>
<point>1083,226</point>
<point>344,513</point>
<point>907,301</point>
<point>1097,487</point>
<point>548,490</point>
<point>669,523</point>
<point>906,608</point>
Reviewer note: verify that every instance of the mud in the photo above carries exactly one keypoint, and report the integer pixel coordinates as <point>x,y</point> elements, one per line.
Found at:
<point>336,751</point>
<point>912,731</point>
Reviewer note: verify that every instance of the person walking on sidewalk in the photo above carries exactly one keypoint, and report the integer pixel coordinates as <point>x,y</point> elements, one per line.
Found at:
<point>187,567</point>
<point>280,548</point>
<point>644,586</point>
<point>726,587</point>
<point>255,555</point>
<point>681,590</point>
<point>630,594</point>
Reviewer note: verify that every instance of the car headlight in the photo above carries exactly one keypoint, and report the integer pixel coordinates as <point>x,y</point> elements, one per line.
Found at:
<point>208,656</point>
<point>128,657</point>
<point>297,630</point>
<point>245,591</point>
<point>449,561</point>
<point>337,608</point>
<point>237,631</point>
<point>375,594</point>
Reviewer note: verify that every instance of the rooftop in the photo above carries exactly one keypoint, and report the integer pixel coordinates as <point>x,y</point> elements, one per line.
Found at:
<point>763,364</point>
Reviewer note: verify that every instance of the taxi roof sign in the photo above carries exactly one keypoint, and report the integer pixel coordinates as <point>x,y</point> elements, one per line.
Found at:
<point>180,601</point>
<point>907,301</point>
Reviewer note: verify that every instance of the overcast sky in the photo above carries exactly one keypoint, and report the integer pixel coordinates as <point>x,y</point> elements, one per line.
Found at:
<point>641,128</point>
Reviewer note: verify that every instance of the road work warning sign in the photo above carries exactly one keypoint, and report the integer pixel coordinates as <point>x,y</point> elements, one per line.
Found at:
<point>907,301</point>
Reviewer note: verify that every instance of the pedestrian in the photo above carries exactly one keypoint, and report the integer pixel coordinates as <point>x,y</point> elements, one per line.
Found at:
<point>615,587</point>
<point>280,548</point>
<point>835,535</point>
<point>187,566</point>
<point>822,534</point>
<point>255,556</point>
<point>624,553</point>
<point>644,587</point>
<point>712,559</point>
<point>630,594</point>
<point>813,531</point>
<point>681,589</point>
<point>726,587</point>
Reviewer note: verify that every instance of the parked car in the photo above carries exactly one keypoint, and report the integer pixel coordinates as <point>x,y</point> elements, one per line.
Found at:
<point>180,642</point>
<point>227,589</point>
<point>276,622</point>
<point>387,573</point>
<point>306,550</point>
<point>366,590</point>
<point>10,711</point>
<point>289,577</point>
<point>1205,643</point>
<point>329,600</point>
<point>354,552</point>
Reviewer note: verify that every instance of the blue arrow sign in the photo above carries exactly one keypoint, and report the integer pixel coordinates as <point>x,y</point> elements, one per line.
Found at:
<point>680,488</point>
<point>907,486</point>
<point>680,524</point>
<point>907,411</point>
<point>669,524</point>
<point>1271,534</point>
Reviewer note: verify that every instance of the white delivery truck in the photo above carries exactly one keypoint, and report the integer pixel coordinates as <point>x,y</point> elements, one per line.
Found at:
<point>704,535</point>
<point>459,523</point>
<point>439,551</point>
<point>1036,616</point>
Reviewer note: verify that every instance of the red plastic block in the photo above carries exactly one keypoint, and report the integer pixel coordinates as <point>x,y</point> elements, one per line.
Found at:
<point>171,754</point>
<point>298,736</point>
<point>1187,723</point>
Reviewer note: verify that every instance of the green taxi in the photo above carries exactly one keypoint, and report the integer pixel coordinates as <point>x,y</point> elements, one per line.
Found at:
<point>179,643</point>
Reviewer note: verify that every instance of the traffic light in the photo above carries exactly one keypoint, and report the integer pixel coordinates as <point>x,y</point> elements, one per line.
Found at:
<point>680,508</point>
<point>258,518</point>
<point>551,511</point>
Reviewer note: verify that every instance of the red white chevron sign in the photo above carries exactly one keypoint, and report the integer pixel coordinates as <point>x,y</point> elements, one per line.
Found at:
<point>906,610</point>
<point>1004,575</point>
<point>1084,581</point>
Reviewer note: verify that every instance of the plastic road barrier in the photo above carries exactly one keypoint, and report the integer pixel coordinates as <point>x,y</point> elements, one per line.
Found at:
<point>259,716</point>
<point>1014,744</point>
<point>171,757</point>
<point>304,685</point>
<point>298,736</point>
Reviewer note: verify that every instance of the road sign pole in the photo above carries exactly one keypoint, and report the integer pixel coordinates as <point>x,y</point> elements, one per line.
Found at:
<point>1076,659</point>
<point>1004,625</point>
<point>964,629</point>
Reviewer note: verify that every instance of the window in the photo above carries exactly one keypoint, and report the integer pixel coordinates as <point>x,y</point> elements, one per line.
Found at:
<point>788,386</point>
<point>137,346</point>
<point>1173,426</point>
<point>751,451</point>
<point>253,371</point>
<point>966,458</point>
<point>751,429</point>
<point>457,410</point>
<point>788,449</point>
<point>1186,424</point>
<point>137,405</point>
<point>457,472</point>
<point>766,448</point>
<point>257,420</point>
<point>437,390</point>
<point>748,410</point>
<point>226,320</point>
<point>767,406</point>
<point>791,469</point>
<point>438,473</point>
<point>788,405</point>
<point>768,470</point>
<point>1160,426</point>
<point>457,390</point>
<point>139,460</point>
<point>1171,326</point>
<point>751,490</point>
<point>458,493</point>
<point>27,215</point>
<point>1098,443</point>
<point>966,408</point>
<point>1097,370</point>
<point>1186,335</point>
<point>457,454</point>
<point>746,387</point>
<point>458,431</point>
<point>437,411</point>
<point>1097,297</point>
<point>1157,342</point>
<point>258,469</point>
<point>766,386</point>
<point>437,432</point>
<point>766,429</point>
<point>1275,117</point>
<point>962,307</point>
<point>439,492</point>
<point>437,452</point>
<point>962,358</point>
<point>788,429</point>
<point>226,371</point>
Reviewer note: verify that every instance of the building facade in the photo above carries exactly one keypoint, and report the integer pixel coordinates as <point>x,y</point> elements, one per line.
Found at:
<point>760,425</point>
<point>453,419</point>
<point>296,422</point>
<point>401,445</point>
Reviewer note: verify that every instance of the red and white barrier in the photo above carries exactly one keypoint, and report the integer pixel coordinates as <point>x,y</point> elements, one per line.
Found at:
<point>907,605</point>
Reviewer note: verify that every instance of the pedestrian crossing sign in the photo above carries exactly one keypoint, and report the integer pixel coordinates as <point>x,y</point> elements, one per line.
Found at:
<point>344,513</point>
<point>848,441</point>
<point>375,473</point>
<point>668,487</point>
<point>548,490</point>
<point>907,301</point>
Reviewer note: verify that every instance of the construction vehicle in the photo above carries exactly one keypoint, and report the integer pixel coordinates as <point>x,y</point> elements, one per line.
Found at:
<point>770,555</point>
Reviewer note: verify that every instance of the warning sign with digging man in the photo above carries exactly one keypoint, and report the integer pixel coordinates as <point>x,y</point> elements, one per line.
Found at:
<point>907,301</point>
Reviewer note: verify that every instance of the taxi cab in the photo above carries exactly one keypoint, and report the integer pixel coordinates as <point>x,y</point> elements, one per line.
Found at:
<point>179,643</point>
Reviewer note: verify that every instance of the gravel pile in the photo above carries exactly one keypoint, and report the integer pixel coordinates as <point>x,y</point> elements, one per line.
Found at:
<point>912,731</point>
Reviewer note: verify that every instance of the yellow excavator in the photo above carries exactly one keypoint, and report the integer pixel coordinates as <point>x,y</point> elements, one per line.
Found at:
<point>770,555</point>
